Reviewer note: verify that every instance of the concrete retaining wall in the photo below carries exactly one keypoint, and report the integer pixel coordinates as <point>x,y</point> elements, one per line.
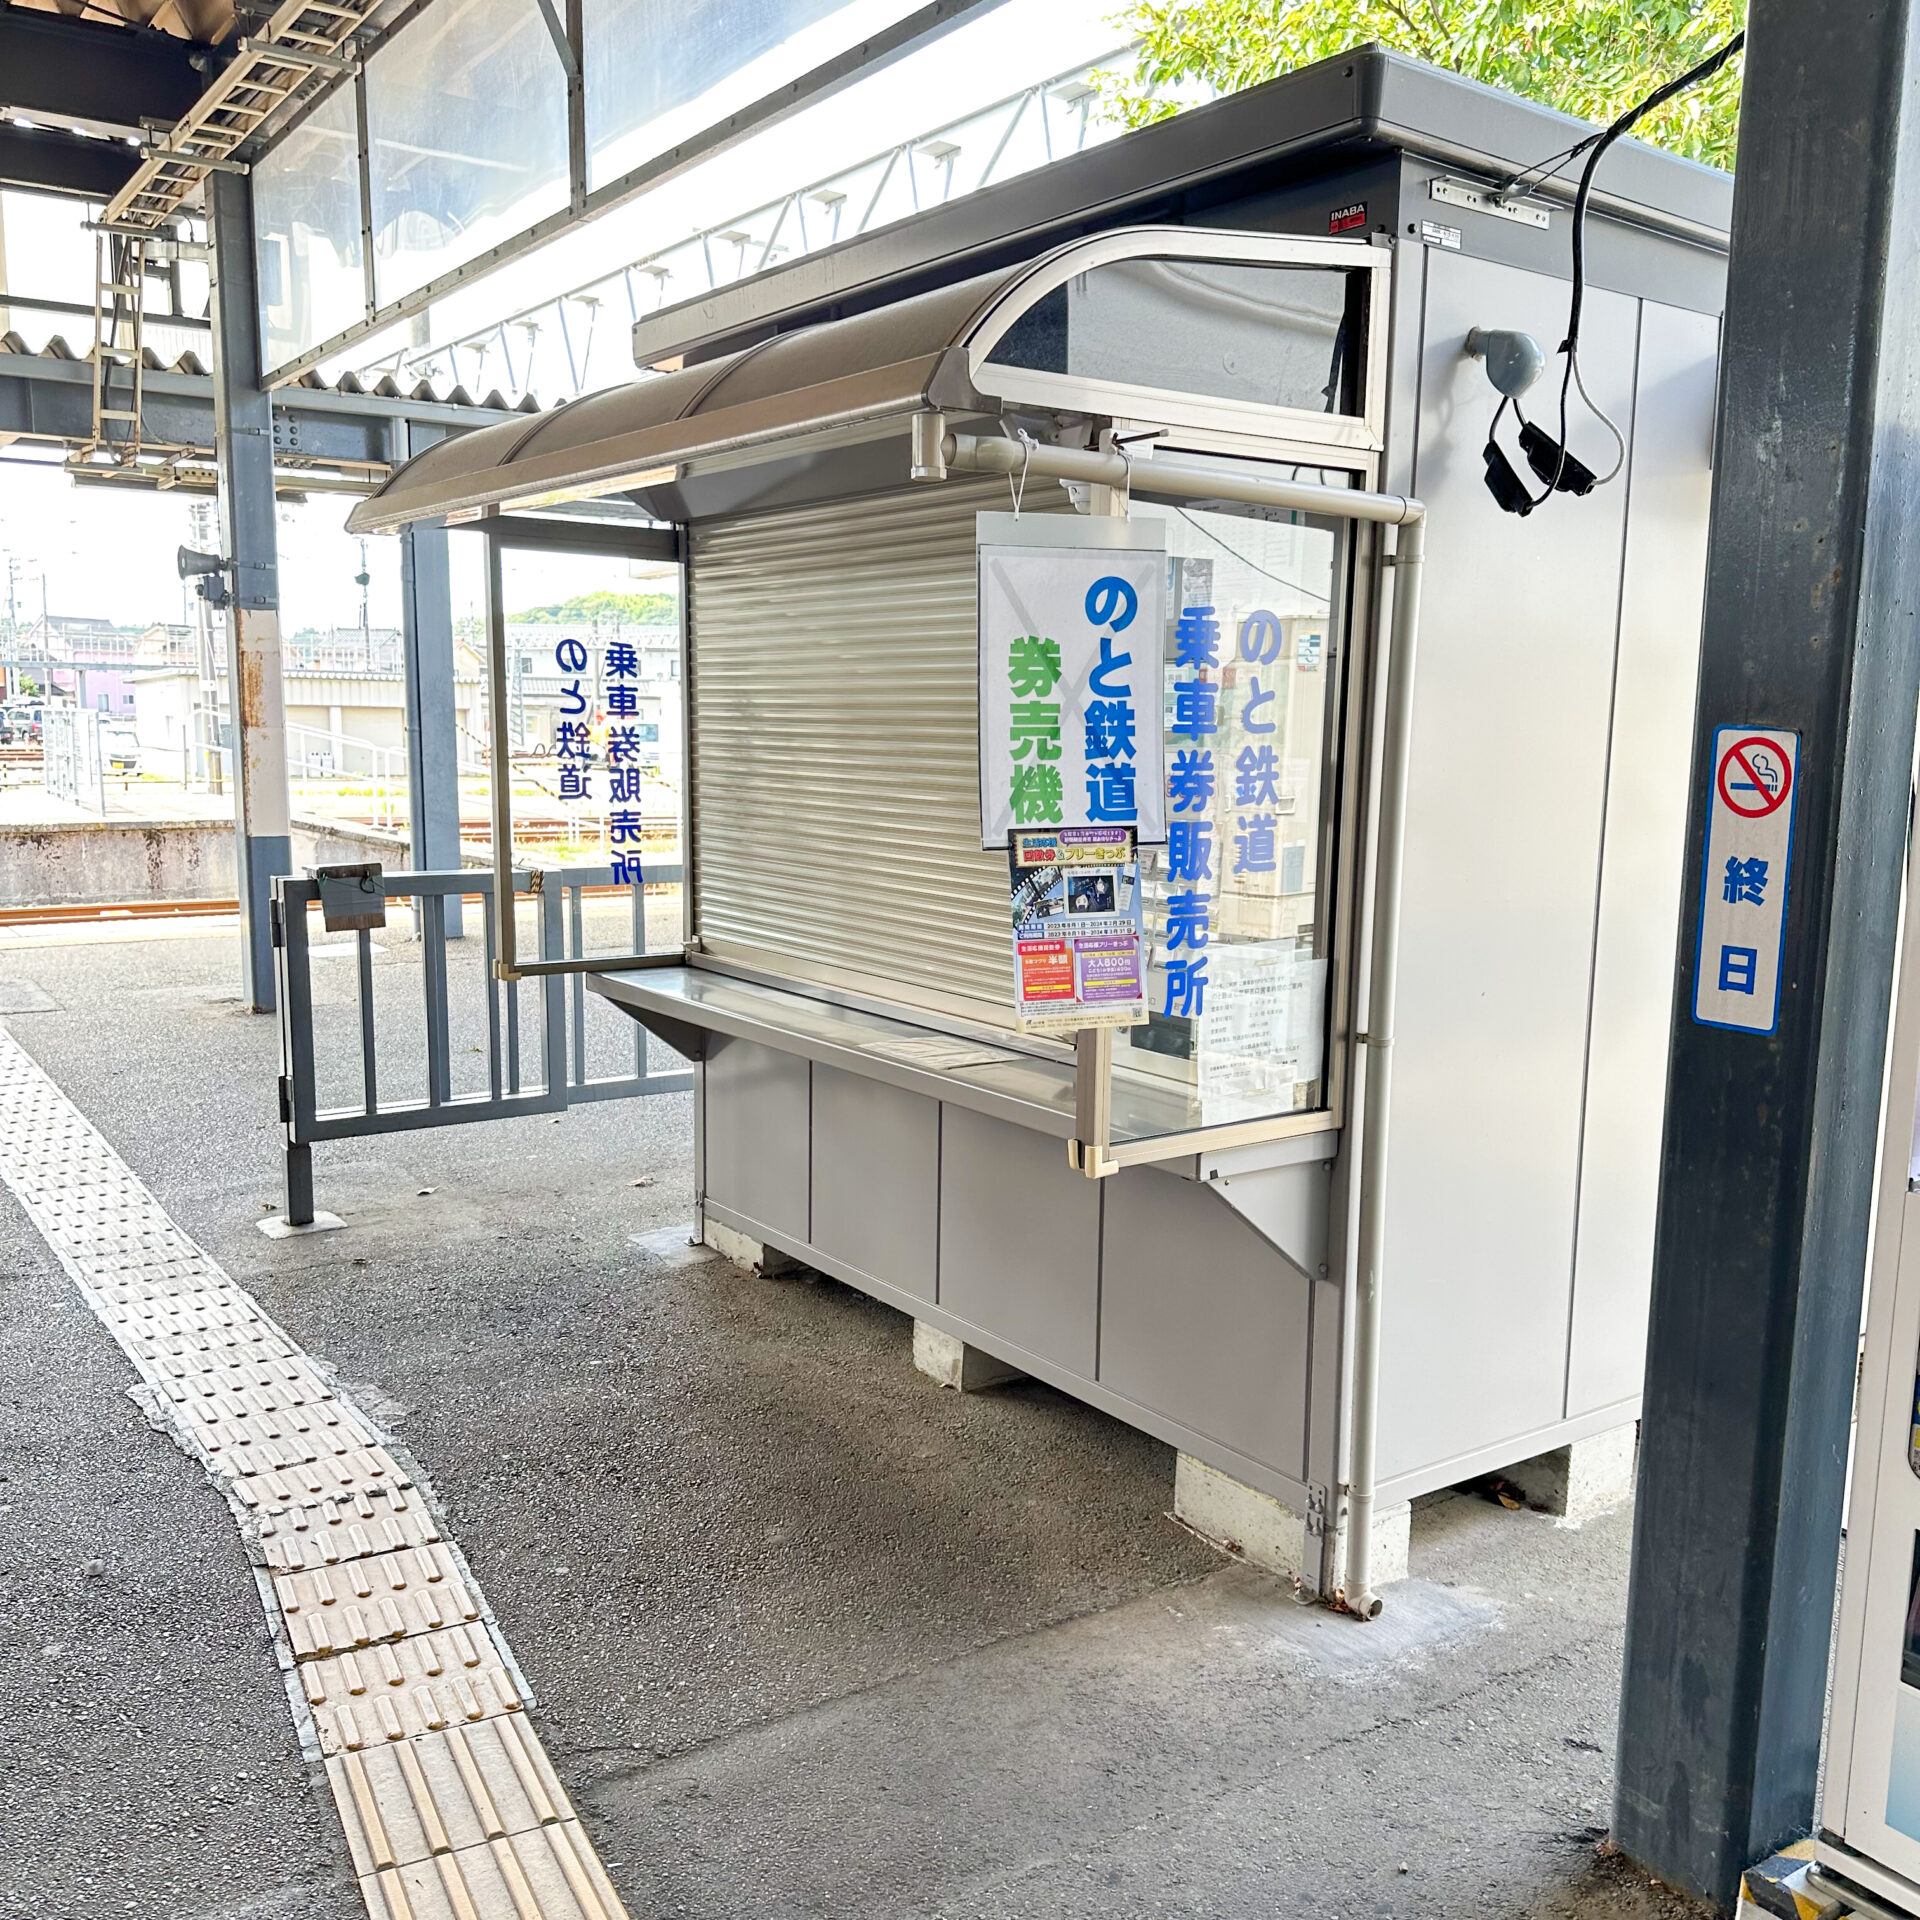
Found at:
<point>84,861</point>
<point>87,861</point>
<point>325,843</point>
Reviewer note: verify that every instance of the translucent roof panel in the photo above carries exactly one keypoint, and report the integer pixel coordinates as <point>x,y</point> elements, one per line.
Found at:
<point>940,349</point>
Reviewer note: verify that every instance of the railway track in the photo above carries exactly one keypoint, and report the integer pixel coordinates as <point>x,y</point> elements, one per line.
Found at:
<point>91,912</point>
<point>85,911</point>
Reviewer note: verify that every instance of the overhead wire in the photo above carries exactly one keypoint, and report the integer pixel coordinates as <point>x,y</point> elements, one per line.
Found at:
<point>1537,175</point>
<point>1253,565</point>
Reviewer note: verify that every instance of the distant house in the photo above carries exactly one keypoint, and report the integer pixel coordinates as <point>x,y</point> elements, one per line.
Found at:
<point>345,693</point>
<point>179,700</point>
<point>88,661</point>
<point>365,652</point>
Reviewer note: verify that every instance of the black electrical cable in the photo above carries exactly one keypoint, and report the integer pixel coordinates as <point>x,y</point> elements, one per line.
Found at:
<point>1596,146</point>
<point>1657,98</point>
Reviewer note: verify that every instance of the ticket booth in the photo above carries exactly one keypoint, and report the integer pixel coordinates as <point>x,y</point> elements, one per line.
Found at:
<point>1169,1218</point>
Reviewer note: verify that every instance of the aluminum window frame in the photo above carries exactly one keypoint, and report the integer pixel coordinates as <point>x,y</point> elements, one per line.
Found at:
<point>1351,740</point>
<point>500,535</point>
<point>1364,432</point>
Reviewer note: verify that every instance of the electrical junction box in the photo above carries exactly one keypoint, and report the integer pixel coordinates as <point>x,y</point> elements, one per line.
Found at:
<point>352,897</point>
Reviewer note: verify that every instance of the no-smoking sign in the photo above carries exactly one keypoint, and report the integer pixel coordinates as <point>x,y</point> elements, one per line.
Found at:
<point>1754,778</point>
<point>1743,887</point>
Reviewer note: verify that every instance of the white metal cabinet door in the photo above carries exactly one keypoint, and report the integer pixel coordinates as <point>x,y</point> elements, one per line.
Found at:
<point>1649,770</point>
<point>1505,800</point>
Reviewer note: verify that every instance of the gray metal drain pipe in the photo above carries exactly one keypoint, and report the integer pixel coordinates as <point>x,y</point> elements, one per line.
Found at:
<point>1193,480</point>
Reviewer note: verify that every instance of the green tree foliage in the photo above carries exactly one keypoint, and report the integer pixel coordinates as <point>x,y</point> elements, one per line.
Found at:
<point>1593,58</point>
<point>638,609</point>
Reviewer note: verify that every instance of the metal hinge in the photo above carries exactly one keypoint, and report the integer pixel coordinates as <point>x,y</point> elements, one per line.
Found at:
<point>286,1102</point>
<point>1316,1511</point>
<point>276,928</point>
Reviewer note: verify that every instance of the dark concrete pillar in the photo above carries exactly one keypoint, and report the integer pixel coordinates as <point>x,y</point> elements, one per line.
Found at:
<point>243,441</point>
<point>1770,1138</point>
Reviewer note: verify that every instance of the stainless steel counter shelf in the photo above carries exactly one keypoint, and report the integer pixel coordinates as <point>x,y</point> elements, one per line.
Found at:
<point>1001,1081</point>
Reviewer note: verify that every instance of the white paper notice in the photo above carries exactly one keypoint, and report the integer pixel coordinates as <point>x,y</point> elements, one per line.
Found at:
<point>1263,1032</point>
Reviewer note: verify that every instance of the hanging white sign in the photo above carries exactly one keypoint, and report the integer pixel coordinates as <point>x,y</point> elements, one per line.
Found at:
<point>1072,624</point>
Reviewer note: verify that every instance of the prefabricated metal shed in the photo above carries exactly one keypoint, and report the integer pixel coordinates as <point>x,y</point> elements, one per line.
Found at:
<point>1224,323</point>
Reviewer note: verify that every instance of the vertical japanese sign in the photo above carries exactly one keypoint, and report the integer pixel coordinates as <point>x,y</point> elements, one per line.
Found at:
<point>573,731</point>
<point>573,744</point>
<point>1743,887</point>
<point>1270,996</point>
<point>1071,619</point>
<point>1078,944</point>
<point>623,761</point>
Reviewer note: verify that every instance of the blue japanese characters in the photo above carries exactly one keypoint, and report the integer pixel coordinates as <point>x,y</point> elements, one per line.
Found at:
<point>1193,784</point>
<point>1738,961</point>
<point>573,744</point>
<point>1071,619</point>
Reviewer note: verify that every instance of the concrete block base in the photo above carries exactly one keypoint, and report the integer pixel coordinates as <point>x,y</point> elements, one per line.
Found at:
<point>1268,1534</point>
<point>1392,1539</point>
<point>749,1255</point>
<point>1584,1480</point>
<point>954,1364</point>
<point>1240,1520</point>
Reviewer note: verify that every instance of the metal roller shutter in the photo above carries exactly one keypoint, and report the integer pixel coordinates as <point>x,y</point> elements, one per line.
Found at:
<point>834,697</point>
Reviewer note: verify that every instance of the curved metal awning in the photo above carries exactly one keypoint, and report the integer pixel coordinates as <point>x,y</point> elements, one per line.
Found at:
<point>835,379</point>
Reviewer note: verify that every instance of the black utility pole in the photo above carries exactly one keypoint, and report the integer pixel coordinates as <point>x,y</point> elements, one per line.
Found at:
<point>1768,1159</point>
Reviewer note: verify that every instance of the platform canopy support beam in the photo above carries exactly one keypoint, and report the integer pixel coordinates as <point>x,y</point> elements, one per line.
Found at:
<point>60,75</point>
<point>1770,1140</point>
<point>243,450</point>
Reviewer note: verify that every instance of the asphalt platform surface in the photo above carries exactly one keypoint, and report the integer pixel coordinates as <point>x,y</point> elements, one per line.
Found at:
<point>809,1635</point>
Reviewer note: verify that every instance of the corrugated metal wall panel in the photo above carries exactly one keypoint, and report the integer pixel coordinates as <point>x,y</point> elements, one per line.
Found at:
<point>834,697</point>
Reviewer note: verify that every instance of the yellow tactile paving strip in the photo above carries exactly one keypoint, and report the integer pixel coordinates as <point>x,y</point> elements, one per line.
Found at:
<point>450,1807</point>
<point>375,1520</point>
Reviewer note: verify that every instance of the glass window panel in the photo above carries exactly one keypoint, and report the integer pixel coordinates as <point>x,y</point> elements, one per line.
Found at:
<point>306,228</point>
<point>1275,336</point>
<point>1238,902</point>
<point>467,116</point>
<point>660,71</point>
<point>1913,1157</point>
<point>46,249</point>
<point>1913,1456</point>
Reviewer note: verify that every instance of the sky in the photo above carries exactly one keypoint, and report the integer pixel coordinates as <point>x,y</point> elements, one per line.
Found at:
<point>989,59</point>
<point>110,556</point>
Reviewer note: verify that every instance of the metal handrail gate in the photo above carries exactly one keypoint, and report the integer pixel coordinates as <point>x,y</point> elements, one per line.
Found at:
<point>562,1077</point>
